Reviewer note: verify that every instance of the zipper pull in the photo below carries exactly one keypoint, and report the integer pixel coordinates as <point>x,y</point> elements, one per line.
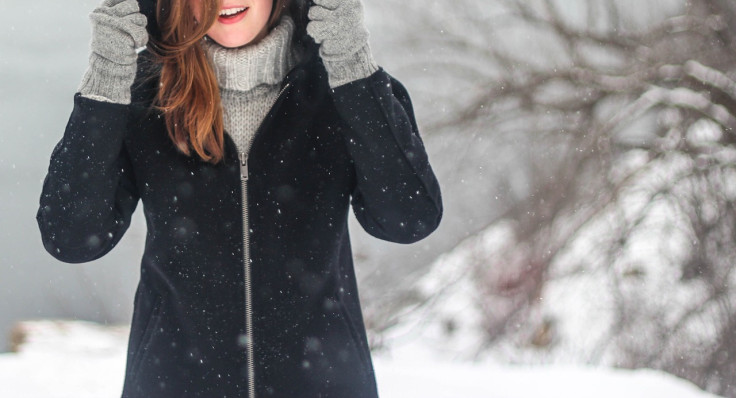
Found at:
<point>243,166</point>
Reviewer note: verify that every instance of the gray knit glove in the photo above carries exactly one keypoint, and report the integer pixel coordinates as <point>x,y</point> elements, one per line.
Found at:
<point>337,25</point>
<point>118,29</point>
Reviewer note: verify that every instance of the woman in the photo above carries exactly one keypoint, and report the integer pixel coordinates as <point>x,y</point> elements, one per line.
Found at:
<point>247,128</point>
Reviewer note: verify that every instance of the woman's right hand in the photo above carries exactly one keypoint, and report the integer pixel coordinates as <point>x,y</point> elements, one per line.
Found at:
<point>118,29</point>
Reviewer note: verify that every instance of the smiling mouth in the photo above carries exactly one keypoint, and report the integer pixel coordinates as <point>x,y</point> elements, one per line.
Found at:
<point>232,12</point>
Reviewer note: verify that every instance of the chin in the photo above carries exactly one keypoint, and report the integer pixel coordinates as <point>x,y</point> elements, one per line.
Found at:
<point>232,42</point>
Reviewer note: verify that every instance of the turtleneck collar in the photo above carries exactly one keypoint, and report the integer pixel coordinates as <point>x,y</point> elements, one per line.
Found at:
<point>266,62</point>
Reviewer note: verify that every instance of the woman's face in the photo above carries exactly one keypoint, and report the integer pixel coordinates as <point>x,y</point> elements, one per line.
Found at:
<point>240,22</point>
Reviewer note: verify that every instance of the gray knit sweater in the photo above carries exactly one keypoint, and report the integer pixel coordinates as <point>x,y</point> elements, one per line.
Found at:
<point>250,79</point>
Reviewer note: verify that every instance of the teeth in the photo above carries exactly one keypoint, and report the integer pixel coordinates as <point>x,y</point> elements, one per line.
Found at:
<point>232,11</point>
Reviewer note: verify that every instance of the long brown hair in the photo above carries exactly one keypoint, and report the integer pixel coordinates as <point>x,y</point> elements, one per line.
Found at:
<point>188,93</point>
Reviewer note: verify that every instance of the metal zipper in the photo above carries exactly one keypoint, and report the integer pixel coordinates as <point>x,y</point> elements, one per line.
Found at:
<point>250,361</point>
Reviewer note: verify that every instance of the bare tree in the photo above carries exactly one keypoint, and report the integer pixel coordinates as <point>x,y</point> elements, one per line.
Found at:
<point>621,117</point>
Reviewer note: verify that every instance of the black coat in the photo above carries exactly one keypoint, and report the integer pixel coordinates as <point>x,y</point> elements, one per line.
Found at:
<point>318,152</point>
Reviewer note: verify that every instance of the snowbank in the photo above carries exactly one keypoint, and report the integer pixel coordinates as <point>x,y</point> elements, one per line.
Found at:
<point>72,359</point>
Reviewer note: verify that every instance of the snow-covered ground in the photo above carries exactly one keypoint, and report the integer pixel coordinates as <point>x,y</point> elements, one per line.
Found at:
<point>85,360</point>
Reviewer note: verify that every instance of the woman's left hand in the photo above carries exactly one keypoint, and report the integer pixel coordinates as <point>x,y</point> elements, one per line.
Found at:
<point>338,26</point>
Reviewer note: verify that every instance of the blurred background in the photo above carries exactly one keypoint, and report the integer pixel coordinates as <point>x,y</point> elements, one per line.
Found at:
<point>585,149</point>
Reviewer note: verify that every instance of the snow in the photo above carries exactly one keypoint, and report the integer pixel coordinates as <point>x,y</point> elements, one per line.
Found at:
<point>60,359</point>
<point>453,380</point>
<point>65,359</point>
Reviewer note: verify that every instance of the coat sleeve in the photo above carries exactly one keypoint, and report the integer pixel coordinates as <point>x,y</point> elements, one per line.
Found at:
<point>395,195</point>
<point>89,193</point>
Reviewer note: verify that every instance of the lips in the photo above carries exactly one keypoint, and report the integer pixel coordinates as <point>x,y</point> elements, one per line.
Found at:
<point>232,15</point>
